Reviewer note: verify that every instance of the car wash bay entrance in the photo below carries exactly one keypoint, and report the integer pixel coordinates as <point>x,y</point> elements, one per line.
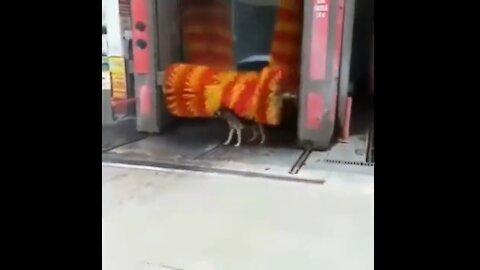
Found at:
<point>329,131</point>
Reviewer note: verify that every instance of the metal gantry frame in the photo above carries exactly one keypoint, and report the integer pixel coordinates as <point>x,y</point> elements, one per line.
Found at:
<point>326,49</point>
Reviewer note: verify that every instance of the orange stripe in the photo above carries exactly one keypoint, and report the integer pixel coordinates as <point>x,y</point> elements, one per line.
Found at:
<point>216,91</point>
<point>205,19</point>
<point>207,35</point>
<point>285,59</point>
<point>194,13</point>
<point>213,57</point>
<point>193,84</point>
<point>208,39</point>
<point>196,90</point>
<point>279,36</point>
<point>239,88</point>
<point>286,48</point>
<point>218,62</point>
<point>207,79</point>
<point>171,76</point>
<point>293,5</point>
<point>288,27</point>
<point>274,102</point>
<point>222,31</point>
<point>180,80</point>
<point>227,93</point>
<point>243,106</point>
<point>288,15</point>
<point>264,92</point>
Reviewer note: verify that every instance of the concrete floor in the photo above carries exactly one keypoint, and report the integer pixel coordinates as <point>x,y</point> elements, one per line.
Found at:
<point>196,221</point>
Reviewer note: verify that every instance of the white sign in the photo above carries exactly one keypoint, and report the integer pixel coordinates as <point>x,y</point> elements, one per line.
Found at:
<point>320,8</point>
<point>106,82</point>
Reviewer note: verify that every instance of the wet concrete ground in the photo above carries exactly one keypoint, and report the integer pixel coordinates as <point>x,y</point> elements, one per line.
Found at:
<point>165,219</point>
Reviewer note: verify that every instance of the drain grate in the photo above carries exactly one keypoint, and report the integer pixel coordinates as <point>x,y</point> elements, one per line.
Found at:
<point>354,163</point>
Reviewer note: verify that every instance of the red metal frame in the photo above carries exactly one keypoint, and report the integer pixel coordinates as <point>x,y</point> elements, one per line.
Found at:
<point>140,15</point>
<point>315,107</point>
<point>323,34</point>
<point>319,41</point>
<point>323,44</point>
<point>318,61</point>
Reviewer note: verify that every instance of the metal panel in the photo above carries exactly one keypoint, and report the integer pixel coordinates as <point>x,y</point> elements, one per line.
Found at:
<point>107,113</point>
<point>149,115</point>
<point>318,81</point>
<point>345,62</point>
<point>143,35</point>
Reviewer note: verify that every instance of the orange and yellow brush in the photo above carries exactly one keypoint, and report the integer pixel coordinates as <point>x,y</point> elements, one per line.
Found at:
<point>185,90</point>
<point>200,91</point>
<point>287,43</point>
<point>207,34</point>
<point>207,83</point>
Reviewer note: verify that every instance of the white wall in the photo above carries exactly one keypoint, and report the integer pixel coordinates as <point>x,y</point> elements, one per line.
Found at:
<point>103,12</point>
<point>114,28</point>
<point>104,37</point>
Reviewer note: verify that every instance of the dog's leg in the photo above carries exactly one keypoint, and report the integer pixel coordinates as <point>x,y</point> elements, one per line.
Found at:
<point>255,133</point>
<point>262,134</point>
<point>230,136</point>
<point>239,137</point>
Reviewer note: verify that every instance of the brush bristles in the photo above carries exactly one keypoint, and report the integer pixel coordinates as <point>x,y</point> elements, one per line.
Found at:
<point>251,95</point>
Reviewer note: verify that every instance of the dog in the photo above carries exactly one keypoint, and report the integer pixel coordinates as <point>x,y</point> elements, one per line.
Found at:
<point>237,125</point>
